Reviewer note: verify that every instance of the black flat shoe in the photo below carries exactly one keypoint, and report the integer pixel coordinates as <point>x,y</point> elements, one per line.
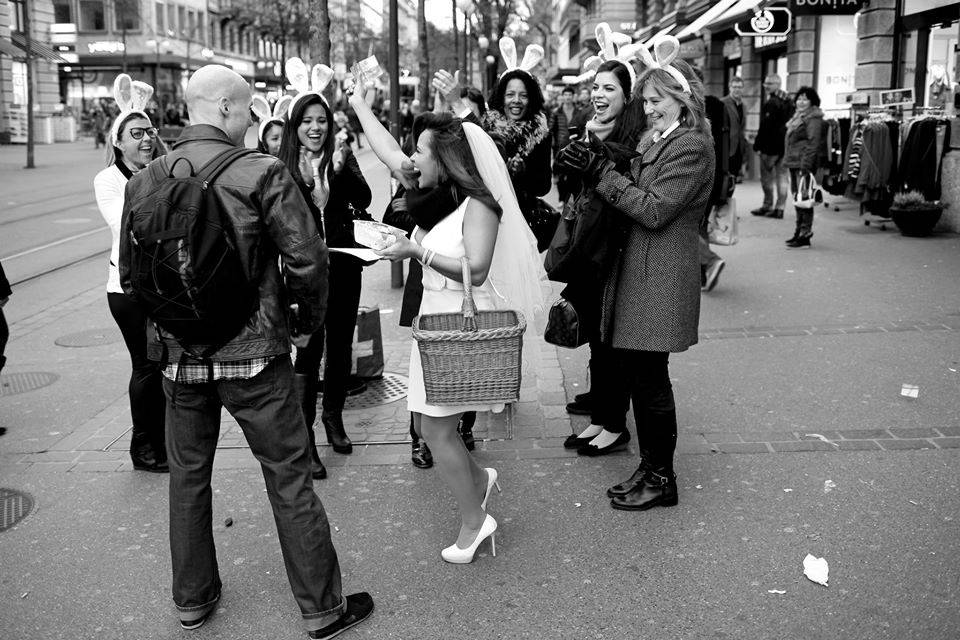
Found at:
<point>146,459</point>
<point>421,456</point>
<point>359,608</point>
<point>592,452</point>
<point>657,489</point>
<point>630,483</point>
<point>579,408</point>
<point>573,441</point>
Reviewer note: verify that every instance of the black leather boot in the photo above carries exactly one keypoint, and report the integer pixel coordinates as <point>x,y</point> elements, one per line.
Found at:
<point>306,388</point>
<point>796,232</point>
<point>631,483</point>
<point>146,458</point>
<point>465,428</point>
<point>336,434</point>
<point>805,229</point>
<point>317,470</point>
<point>658,488</point>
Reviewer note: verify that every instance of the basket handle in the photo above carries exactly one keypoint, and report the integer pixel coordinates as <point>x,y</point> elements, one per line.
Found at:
<point>468,308</point>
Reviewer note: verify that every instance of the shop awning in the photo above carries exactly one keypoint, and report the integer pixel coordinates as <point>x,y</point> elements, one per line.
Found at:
<point>38,49</point>
<point>706,18</point>
<point>9,49</point>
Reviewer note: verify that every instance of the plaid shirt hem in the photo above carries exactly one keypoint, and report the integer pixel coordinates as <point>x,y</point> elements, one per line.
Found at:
<point>196,373</point>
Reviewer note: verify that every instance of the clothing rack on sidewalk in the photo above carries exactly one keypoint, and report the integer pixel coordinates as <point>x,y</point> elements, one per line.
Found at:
<point>871,161</point>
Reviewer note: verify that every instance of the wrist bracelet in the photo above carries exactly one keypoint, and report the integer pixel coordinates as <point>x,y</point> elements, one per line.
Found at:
<point>430,257</point>
<point>422,259</point>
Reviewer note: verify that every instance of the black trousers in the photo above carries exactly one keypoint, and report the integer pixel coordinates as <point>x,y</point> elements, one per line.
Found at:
<point>147,402</point>
<point>4,337</point>
<point>645,376</point>
<point>609,399</point>
<point>336,335</point>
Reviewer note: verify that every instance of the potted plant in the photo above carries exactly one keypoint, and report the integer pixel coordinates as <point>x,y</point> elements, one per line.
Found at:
<point>913,214</point>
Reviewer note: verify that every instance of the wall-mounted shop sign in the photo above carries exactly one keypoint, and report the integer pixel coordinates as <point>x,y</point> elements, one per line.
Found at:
<point>859,98</point>
<point>895,97</point>
<point>693,49</point>
<point>105,46</point>
<point>772,21</point>
<point>765,42</point>
<point>731,49</point>
<point>825,7</point>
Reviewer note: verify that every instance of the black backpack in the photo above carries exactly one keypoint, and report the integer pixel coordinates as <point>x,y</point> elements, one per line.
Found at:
<point>185,269</point>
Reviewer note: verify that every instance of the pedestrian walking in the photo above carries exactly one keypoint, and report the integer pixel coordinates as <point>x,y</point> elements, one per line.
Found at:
<point>563,122</point>
<point>326,170</point>
<point>736,127</point>
<point>711,264</point>
<point>133,144</point>
<point>487,229</point>
<point>618,123</point>
<point>805,151</point>
<point>651,300</point>
<point>774,178</point>
<point>251,375</point>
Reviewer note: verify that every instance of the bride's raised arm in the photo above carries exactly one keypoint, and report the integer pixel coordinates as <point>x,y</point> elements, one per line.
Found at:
<point>382,143</point>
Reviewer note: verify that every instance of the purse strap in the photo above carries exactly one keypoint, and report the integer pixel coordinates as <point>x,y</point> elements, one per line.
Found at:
<point>468,308</point>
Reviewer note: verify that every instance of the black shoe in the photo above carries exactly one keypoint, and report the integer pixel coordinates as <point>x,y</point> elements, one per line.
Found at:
<point>630,483</point>
<point>359,608</point>
<point>336,434</point>
<point>355,386</point>
<point>799,242</point>
<point>146,459</point>
<point>317,470</point>
<point>579,407</point>
<point>584,397</point>
<point>574,441</point>
<point>775,213</point>
<point>762,211</point>
<point>421,456</point>
<point>592,452</point>
<point>196,623</point>
<point>465,428</point>
<point>657,489</point>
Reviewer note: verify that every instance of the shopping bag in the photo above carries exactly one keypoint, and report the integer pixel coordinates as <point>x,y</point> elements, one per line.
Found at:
<point>808,192</point>
<point>368,344</point>
<point>722,228</point>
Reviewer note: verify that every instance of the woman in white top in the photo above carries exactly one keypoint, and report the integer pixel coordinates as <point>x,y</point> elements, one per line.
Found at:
<point>134,143</point>
<point>488,229</point>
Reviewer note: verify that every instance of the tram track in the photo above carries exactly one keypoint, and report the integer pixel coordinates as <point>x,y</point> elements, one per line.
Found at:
<point>41,214</point>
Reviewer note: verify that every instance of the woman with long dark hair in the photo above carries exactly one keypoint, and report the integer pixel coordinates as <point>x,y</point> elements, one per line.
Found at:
<point>334,188</point>
<point>133,144</point>
<point>651,298</point>
<point>485,227</point>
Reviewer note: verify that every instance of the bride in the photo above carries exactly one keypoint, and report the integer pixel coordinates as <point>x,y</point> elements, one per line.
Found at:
<point>460,167</point>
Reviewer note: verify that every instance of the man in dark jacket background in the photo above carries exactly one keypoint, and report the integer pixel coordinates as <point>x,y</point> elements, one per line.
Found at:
<point>774,177</point>
<point>251,375</point>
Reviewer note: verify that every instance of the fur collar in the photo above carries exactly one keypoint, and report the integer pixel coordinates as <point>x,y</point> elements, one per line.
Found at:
<point>519,138</point>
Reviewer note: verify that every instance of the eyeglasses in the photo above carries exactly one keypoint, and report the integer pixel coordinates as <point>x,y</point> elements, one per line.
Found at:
<point>137,132</point>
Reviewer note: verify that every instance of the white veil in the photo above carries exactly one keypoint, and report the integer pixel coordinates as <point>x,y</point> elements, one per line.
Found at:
<point>516,272</point>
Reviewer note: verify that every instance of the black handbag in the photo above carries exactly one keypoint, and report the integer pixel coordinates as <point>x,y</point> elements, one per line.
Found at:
<point>563,326</point>
<point>542,220</point>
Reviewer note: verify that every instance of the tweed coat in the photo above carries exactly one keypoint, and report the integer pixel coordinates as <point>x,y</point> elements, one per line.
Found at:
<point>651,299</point>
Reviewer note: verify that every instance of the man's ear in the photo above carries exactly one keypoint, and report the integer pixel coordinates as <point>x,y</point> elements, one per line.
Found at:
<point>224,106</point>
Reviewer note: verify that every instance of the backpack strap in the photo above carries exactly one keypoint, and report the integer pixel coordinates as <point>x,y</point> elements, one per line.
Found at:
<point>215,166</point>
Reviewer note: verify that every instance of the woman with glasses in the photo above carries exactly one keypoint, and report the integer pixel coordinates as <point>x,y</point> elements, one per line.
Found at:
<point>134,142</point>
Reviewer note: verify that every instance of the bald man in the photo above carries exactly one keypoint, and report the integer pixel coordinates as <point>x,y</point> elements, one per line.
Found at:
<point>251,375</point>
<point>774,177</point>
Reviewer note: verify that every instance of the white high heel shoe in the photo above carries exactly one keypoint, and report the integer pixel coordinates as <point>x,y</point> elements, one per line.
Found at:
<point>456,555</point>
<point>492,476</point>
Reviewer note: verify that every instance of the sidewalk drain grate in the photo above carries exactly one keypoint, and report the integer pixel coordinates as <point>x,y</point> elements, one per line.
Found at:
<point>14,507</point>
<point>390,388</point>
<point>13,383</point>
<point>90,338</point>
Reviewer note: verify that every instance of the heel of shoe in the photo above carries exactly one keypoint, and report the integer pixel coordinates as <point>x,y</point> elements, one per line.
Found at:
<point>493,545</point>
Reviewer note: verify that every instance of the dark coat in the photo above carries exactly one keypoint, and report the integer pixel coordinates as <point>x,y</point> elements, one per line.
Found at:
<point>774,113</point>
<point>651,299</point>
<point>560,127</point>
<point>5,291</point>
<point>349,198</point>
<point>804,141</point>
<point>271,222</point>
<point>736,141</point>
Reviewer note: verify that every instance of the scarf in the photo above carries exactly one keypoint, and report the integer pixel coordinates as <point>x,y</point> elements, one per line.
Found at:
<point>601,129</point>
<point>519,137</point>
<point>429,206</point>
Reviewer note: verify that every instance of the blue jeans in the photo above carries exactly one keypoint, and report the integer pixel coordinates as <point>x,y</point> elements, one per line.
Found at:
<point>268,411</point>
<point>775,180</point>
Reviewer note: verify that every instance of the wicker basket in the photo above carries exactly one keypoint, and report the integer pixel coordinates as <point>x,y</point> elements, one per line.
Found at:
<point>472,357</point>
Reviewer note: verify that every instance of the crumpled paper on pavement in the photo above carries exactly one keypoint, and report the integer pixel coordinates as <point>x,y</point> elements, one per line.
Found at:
<point>816,569</point>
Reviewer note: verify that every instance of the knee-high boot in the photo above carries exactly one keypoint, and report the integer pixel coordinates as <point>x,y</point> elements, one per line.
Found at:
<point>805,231</point>
<point>306,387</point>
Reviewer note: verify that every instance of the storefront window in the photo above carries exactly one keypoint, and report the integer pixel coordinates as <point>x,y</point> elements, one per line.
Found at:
<point>908,52</point>
<point>91,16</point>
<point>940,66</point>
<point>62,11</point>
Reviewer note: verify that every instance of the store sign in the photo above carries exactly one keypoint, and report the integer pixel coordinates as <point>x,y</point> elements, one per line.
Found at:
<point>105,46</point>
<point>825,7</point>
<point>772,21</point>
<point>731,49</point>
<point>63,33</point>
<point>764,42</point>
<point>693,49</point>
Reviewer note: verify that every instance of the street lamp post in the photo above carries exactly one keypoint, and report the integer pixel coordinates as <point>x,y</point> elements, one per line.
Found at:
<point>156,43</point>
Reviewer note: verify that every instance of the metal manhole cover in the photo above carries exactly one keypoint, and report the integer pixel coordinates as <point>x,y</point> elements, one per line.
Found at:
<point>14,507</point>
<point>390,388</point>
<point>90,338</point>
<point>13,383</point>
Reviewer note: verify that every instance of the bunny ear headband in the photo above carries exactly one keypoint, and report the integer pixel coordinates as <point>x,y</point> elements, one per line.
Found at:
<point>531,56</point>
<point>307,83</point>
<point>132,97</point>
<point>666,49</point>
<point>613,46</point>
<point>262,108</point>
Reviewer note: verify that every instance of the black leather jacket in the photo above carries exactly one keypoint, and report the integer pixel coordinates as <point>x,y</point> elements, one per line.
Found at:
<point>272,224</point>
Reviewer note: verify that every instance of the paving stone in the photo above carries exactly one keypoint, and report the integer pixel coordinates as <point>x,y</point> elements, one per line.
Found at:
<point>47,467</point>
<point>538,454</point>
<point>781,333</point>
<point>802,445</point>
<point>898,445</point>
<point>768,436</point>
<point>719,436</point>
<point>902,328</point>
<point>503,445</point>
<point>947,443</point>
<point>554,412</point>
<point>913,432</point>
<point>744,447</point>
<point>830,435</point>
<point>858,445</point>
<point>694,448</point>
<point>102,466</point>
<point>865,434</point>
<point>553,398</point>
<point>51,456</point>
<point>949,431</point>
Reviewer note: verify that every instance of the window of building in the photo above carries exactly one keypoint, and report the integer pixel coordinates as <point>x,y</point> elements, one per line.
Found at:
<point>160,18</point>
<point>16,16</point>
<point>62,11</point>
<point>127,15</point>
<point>92,16</point>
<point>573,42</point>
<point>182,20</point>
<point>192,25</point>
<point>171,19</point>
<point>201,28</point>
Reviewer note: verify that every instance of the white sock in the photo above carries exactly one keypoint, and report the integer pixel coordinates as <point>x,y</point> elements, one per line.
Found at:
<point>591,431</point>
<point>604,439</point>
